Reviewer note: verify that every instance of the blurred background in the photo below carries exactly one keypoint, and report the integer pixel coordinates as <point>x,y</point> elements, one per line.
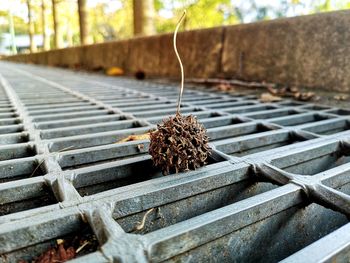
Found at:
<point>35,25</point>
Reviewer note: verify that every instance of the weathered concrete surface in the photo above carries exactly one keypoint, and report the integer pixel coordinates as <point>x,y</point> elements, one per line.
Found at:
<point>311,51</point>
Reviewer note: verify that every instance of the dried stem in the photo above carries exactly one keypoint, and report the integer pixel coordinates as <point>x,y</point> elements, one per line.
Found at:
<point>141,225</point>
<point>180,62</point>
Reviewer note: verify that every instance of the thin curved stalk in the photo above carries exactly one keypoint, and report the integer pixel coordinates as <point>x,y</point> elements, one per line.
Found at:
<point>180,62</point>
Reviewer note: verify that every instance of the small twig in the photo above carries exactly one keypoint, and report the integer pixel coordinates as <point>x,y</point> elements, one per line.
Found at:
<point>82,246</point>
<point>180,62</point>
<point>141,225</point>
<point>43,160</point>
<point>37,167</point>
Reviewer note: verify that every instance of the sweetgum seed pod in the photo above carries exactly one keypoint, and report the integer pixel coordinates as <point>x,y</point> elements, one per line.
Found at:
<point>179,144</point>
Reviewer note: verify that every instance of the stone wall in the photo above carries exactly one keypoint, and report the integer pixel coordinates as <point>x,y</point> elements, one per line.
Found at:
<point>311,51</point>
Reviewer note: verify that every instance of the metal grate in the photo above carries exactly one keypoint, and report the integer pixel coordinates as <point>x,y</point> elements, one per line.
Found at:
<point>275,188</point>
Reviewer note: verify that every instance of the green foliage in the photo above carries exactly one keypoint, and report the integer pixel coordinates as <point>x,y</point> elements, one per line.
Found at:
<point>113,19</point>
<point>107,25</point>
<point>19,24</point>
<point>200,14</point>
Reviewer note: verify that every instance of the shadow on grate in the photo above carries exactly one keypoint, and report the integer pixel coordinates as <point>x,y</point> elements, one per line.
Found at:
<point>271,239</point>
<point>103,177</point>
<point>256,143</point>
<point>17,169</point>
<point>39,196</point>
<point>314,160</point>
<point>12,138</point>
<point>237,130</point>
<point>341,112</point>
<point>16,151</point>
<point>272,113</point>
<point>90,129</point>
<point>184,209</point>
<point>300,119</point>
<point>335,126</point>
<point>76,236</point>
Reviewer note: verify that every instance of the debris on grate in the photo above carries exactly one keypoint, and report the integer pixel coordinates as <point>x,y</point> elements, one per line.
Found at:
<point>138,137</point>
<point>72,246</point>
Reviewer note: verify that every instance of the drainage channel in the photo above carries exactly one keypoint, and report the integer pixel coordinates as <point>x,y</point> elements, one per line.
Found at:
<point>276,186</point>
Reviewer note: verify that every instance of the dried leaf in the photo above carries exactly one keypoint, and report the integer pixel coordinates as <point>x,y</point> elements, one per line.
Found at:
<point>138,137</point>
<point>114,71</point>
<point>341,97</point>
<point>304,96</point>
<point>267,97</point>
<point>224,87</point>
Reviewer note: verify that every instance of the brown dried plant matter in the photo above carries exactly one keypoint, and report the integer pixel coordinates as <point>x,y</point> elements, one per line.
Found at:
<point>179,144</point>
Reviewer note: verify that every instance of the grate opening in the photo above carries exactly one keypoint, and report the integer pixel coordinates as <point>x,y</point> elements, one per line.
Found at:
<point>246,109</point>
<point>104,177</point>
<point>272,114</point>
<point>75,238</point>
<point>220,121</point>
<point>271,239</point>
<point>52,103</point>
<point>79,121</point>
<point>224,105</point>
<point>13,138</point>
<point>211,101</point>
<point>38,198</point>
<point>8,115</point>
<point>140,103</point>
<point>76,159</point>
<point>91,128</point>
<point>236,130</point>
<point>11,129</point>
<point>201,115</point>
<point>319,164</point>
<point>316,107</point>
<point>7,110</point>
<point>165,113</point>
<point>56,110</point>
<point>17,169</point>
<point>331,128</point>
<point>200,99</point>
<point>184,209</point>
<point>301,119</point>
<point>253,145</point>
<point>65,116</point>
<point>9,121</point>
<point>157,106</point>
<point>291,104</point>
<point>341,112</point>
<point>16,151</point>
<point>58,106</point>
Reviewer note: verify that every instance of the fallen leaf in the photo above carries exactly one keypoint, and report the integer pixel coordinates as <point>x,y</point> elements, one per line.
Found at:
<point>224,87</point>
<point>304,96</point>
<point>114,71</point>
<point>140,147</point>
<point>341,97</point>
<point>138,137</point>
<point>267,97</point>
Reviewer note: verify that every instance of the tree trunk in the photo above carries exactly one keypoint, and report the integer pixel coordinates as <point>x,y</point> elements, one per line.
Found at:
<point>58,37</point>
<point>46,36</point>
<point>84,23</point>
<point>143,17</point>
<point>69,35</point>
<point>31,30</point>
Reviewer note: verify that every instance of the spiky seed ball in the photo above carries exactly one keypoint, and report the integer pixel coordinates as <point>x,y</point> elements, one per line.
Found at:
<point>179,144</point>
